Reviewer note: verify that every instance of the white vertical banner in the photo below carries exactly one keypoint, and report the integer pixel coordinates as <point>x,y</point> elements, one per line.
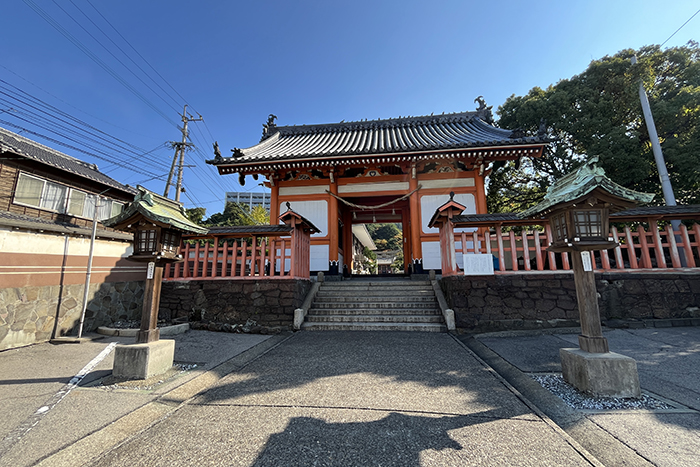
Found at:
<point>586,260</point>
<point>151,270</point>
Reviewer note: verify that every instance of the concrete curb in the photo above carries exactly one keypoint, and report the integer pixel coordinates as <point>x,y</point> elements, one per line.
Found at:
<point>173,330</point>
<point>601,445</point>
<point>97,444</point>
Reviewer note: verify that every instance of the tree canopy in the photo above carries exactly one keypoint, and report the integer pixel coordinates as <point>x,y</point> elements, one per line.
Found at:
<point>598,113</point>
<point>233,214</point>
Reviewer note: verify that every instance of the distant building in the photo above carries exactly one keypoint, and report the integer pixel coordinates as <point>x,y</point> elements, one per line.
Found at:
<point>249,198</point>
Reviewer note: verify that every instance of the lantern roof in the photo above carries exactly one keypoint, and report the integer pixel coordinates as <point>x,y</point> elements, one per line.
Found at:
<point>581,182</point>
<point>292,214</point>
<point>157,209</point>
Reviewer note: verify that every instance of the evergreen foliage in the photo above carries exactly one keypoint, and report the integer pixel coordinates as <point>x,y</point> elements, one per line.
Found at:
<point>598,113</point>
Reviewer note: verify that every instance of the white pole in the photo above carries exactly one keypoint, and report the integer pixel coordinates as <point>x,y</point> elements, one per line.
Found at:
<point>666,186</point>
<point>89,269</point>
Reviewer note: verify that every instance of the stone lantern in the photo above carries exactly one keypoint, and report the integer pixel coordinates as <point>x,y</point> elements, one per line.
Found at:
<point>157,224</point>
<point>578,207</point>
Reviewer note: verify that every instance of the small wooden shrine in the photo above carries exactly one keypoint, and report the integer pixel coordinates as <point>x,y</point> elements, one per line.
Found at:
<point>396,170</point>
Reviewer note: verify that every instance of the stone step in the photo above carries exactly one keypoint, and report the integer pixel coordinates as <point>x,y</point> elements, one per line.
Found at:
<point>374,295</point>
<point>356,283</point>
<point>375,287</point>
<point>372,311</point>
<point>413,327</point>
<point>374,319</point>
<point>363,299</point>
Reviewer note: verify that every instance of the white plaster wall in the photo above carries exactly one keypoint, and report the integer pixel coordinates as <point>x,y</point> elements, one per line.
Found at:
<point>372,187</point>
<point>431,255</point>
<point>303,190</point>
<point>315,211</point>
<point>46,243</point>
<point>448,183</point>
<point>320,255</point>
<point>430,203</point>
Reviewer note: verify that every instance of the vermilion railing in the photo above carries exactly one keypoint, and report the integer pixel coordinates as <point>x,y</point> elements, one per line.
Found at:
<point>237,258</point>
<point>655,248</point>
<point>247,252</point>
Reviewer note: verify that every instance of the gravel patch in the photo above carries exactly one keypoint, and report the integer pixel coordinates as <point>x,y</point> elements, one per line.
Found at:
<point>112,382</point>
<point>578,400</point>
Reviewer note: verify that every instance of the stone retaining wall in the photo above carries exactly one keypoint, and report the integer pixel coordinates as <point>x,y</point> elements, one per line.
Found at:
<point>29,314</point>
<point>537,300</point>
<point>268,302</point>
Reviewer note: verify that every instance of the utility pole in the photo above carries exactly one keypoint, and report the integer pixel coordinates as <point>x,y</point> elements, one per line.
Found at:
<point>666,187</point>
<point>180,148</point>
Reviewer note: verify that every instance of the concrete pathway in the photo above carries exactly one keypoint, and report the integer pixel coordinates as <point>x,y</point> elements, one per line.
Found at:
<point>44,414</point>
<point>355,399</point>
<point>668,362</point>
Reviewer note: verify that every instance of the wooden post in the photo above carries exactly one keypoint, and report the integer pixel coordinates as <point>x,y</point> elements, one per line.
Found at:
<point>332,223</point>
<point>591,338</point>
<point>149,331</point>
<point>414,212</point>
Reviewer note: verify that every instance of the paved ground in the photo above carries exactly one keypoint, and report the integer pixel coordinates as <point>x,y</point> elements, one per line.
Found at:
<point>668,362</point>
<point>356,398</point>
<point>36,376</point>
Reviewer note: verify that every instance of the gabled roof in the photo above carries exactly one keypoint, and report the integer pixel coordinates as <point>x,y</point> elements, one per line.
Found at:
<point>14,143</point>
<point>158,209</point>
<point>579,183</point>
<point>403,135</point>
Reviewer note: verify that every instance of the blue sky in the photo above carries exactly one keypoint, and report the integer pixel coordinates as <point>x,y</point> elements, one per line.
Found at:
<point>307,62</point>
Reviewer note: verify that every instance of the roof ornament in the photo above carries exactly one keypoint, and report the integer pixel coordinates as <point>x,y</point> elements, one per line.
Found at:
<point>484,111</point>
<point>269,127</point>
<point>217,152</point>
<point>237,152</point>
<point>289,206</point>
<point>518,133</point>
<point>542,130</point>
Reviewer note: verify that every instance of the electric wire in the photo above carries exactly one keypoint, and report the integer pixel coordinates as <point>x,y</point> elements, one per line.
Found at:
<point>97,60</point>
<point>91,133</point>
<point>669,37</point>
<point>109,51</point>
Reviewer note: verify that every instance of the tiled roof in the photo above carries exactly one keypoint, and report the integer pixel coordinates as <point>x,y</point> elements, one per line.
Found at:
<point>250,229</point>
<point>12,142</point>
<point>157,208</point>
<point>688,211</point>
<point>397,135</point>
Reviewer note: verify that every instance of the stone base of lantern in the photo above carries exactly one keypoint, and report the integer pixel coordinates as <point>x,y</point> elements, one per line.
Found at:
<point>601,374</point>
<point>141,361</point>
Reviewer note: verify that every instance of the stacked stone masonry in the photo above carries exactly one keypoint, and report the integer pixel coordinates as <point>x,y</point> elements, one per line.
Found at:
<point>267,302</point>
<point>36,314</point>
<point>549,300</point>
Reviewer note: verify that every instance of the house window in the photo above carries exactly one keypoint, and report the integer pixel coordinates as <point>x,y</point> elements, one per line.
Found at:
<point>36,192</point>
<point>171,241</point>
<point>50,196</point>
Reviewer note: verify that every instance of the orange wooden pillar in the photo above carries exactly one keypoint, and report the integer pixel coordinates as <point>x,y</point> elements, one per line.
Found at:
<point>405,223</point>
<point>333,226</point>
<point>274,202</point>
<point>414,213</point>
<point>481,207</point>
<point>347,239</point>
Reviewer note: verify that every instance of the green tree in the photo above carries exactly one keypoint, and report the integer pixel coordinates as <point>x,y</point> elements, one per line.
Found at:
<point>260,215</point>
<point>233,214</point>
<point>196,215</point>
<point>386,236</point>
<point>598,113</point>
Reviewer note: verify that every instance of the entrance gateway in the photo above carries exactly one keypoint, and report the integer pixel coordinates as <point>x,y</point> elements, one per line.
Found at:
<point>395,170</point>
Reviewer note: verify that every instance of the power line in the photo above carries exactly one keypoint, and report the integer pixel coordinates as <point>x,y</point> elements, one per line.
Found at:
<point>96,59</point>
<point>64,118</point>
<point>669,37</point>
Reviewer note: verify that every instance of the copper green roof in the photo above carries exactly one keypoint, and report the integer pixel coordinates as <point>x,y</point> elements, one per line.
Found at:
<point>159,209</point>
<point>579,183</point>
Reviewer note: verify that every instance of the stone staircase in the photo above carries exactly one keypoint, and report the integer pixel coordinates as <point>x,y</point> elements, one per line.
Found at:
<point>375,305</point>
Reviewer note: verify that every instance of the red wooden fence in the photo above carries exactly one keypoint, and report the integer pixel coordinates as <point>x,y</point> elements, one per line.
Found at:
<point>639,249</point>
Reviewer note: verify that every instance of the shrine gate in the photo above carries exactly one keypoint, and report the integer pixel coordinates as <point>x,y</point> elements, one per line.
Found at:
<point>398,170</point>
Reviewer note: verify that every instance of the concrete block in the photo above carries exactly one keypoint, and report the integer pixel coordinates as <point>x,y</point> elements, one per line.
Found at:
<point>602,374</point>
<point>141,361</point>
